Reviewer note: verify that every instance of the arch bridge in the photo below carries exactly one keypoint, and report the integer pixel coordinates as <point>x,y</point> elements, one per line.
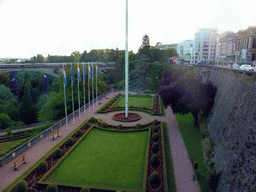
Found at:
<point>49,68</point>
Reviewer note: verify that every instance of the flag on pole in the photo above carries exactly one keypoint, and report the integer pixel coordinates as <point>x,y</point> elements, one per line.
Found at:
<point>84,73</point>
<point>78,73</point>
<point>72,75</point>
<point>89,71</point>
<point>96,70</point>
<point>64,76</point>
<point>92,71</point>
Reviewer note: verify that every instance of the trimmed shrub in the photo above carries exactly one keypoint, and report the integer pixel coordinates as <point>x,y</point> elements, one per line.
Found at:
<point>58,153</point>
<point>155,129</point>
<point>70,141</point>
<point>155,137</point>
<point>85,190</point>
<point>106,107</point>
<point>120,127</point>
<point>138,126</point>
<point>22,186</point>
<point>52,188</point>
<point>8,131</point>
<point>79,133</point>
<point>155,148</point>
<point>155,160</point>
<point>86,125</point>
<point>92,120</point>
<point>43,166</point>
<point>155,180</point>
<point>104,125</point>
<point>144,108</point>
<point>155,122</point>
<point>131,106</point>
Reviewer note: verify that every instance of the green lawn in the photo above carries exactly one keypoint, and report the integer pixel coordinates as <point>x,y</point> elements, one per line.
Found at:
<point>105,159</point>
<point>8,146</point>
<point>192,138</point>
<point>136,102</point>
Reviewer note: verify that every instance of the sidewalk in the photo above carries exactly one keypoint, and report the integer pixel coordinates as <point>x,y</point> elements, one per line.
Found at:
<point>182,166</point>
<point>183,169</point>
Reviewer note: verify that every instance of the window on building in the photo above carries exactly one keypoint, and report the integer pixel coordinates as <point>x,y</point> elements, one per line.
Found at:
<point>254,43</point>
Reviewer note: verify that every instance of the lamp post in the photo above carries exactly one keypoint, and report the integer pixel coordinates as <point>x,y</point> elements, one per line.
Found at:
<point>126,62</point>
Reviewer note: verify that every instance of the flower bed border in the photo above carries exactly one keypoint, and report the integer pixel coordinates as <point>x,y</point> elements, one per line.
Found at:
<point>126,120</point>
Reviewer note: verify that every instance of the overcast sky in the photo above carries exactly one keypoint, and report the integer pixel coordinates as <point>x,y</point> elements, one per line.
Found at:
<point>59,27</point>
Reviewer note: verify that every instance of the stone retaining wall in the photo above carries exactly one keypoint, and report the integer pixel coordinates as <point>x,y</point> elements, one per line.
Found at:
<point>232,126</point>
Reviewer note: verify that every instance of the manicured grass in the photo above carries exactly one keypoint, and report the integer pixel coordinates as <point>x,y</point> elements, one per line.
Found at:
<point>105,159</point>
<point>169,165</point>
<point>8,146</point>
<point>136,102</point>
<point>192,138</point>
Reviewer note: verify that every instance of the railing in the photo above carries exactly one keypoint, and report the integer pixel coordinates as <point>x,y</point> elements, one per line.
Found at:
<point>30,126</point>
<point>10,156</point>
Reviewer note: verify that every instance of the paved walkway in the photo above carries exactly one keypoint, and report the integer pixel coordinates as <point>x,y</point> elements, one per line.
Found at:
<point>182,166</point>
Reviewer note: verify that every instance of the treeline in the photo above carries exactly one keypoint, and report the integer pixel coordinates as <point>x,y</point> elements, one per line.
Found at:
<point>19,94</point>
<point>29,97</point>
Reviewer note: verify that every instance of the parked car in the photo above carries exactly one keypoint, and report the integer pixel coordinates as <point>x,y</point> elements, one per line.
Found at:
<point>235,66</point>
<point>246,68</point>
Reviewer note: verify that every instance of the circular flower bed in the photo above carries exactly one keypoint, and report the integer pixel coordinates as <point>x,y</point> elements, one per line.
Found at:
<point>131,117</point>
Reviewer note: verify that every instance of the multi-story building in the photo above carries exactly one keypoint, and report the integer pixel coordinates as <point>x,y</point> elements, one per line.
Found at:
<point>225,43</point>
<point>184,49</point>
<point>245,43</point>
<point>204,48</point>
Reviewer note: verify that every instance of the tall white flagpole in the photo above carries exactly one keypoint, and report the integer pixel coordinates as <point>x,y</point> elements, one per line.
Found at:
<point>126,63</point>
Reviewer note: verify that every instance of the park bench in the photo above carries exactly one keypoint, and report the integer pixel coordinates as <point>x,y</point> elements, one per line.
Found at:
<point>55,134</point>
<point>21,160</point>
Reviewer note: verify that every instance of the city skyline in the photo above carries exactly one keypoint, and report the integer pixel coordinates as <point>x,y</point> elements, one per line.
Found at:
<point>59,27</point>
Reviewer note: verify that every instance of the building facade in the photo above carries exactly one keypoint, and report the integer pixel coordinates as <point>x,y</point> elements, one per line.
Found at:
<point>205,44</point>
<point>184,49</point>
<point>237,47</point>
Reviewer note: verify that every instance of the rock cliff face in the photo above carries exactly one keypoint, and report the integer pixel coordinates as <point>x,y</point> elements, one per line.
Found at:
<point>232,126</point>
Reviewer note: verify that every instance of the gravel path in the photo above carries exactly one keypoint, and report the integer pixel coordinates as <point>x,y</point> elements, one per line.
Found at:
<point>182,166</point>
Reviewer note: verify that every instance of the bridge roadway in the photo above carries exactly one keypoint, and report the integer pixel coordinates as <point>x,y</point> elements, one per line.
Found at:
<point>49,68</point>
<point>182,166</point>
